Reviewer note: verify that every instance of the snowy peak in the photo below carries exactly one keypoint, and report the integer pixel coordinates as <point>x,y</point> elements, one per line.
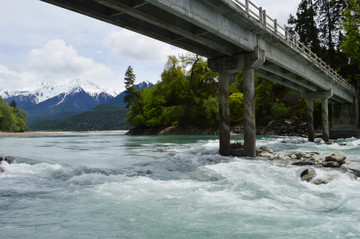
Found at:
<point>48,90</point>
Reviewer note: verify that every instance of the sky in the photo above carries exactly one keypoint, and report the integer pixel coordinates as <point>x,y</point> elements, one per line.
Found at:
<point>40,42</point>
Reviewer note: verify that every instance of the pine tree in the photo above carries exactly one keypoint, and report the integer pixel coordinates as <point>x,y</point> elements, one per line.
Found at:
<point>329,16</point>
<point>131,92</point>
<point>13,104</point>
<point>304,25</point>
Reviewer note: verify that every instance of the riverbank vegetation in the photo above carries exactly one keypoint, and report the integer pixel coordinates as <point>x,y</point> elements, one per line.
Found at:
<point>12,118</point>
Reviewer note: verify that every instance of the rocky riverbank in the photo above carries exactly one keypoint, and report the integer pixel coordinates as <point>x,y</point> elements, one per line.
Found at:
<point>288,127</point>
<point>311,160</point>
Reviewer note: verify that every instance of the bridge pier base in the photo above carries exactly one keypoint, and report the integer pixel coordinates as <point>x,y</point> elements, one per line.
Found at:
<point>345,120</point>
<point>225,66</point>
<point>325,119</point>
<point>310,97</point>
<point>310,119</point>
<point>249,112</point>
<point>224,114</point>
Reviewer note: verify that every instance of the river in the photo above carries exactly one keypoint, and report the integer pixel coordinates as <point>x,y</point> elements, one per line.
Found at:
<point>109,185</point>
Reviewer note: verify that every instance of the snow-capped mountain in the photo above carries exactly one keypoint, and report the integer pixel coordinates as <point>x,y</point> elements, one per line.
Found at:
<point>55,100</point>
<point>48,90</point>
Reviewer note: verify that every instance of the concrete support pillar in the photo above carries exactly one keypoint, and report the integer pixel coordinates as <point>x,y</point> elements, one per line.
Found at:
<point>325,119</point>
<point>310,119</point>
<point>232,64</point>
<point>224,113</point>
<point>310,97</point>
<point>249,112</point>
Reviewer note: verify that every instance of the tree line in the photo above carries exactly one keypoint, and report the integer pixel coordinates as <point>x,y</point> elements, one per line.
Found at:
<point>332,30</point>
<point>187,95</point>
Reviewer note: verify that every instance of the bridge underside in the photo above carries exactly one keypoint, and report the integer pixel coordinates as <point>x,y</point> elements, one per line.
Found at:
<point>221,31</point>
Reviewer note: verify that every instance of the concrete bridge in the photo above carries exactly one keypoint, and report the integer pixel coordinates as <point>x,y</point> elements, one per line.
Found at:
<point>236,35</point>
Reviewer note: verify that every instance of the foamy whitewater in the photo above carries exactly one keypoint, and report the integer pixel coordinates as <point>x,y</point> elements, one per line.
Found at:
<point>109,185</point>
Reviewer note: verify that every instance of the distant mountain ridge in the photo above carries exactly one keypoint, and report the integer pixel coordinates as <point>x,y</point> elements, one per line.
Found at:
<point>56,100</point>
<point>102,117</point>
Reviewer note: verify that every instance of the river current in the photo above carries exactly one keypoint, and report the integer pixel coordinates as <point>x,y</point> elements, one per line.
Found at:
<point>109,185</point>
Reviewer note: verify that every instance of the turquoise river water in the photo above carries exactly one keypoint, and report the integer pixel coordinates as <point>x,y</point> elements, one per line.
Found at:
<point>109,185</point>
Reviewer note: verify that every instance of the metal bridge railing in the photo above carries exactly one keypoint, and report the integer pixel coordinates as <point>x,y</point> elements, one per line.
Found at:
<point>271,25</point>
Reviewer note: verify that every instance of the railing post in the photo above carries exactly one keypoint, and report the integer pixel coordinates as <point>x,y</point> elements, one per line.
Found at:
<point>286,35</point>
<point>275,25</point>
<point>260,14</point>
<point>264,18</point>
<point>247,6</point>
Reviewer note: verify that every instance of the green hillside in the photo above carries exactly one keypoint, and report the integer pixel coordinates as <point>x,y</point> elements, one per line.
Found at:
<point>102,117</point>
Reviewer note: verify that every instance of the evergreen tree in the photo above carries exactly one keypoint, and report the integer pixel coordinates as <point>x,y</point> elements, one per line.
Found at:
<point>304,25</point>
<point>131,92</point>
<point>329,16</point>
<point>13,104</point>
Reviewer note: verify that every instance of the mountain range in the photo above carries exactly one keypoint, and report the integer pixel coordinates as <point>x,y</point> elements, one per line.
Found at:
<point>56,100</point>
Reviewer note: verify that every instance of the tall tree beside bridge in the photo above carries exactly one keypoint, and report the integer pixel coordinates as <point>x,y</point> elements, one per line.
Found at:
<point>304,26</point>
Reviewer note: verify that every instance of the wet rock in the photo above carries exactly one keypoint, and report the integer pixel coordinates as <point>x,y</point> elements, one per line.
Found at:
<point>320,181</point>
<point>353,167</point>
<point>330,164</point>
<point>280,155</point>
<point>318,159</point>
<point>304,162</point>
<point>2,170</point>
<point>345,144</point>
<point>1,158</point>
<point>308,174</point>
<point>265,152</point>
<point>300,155</point>
<point>337,156</point>
<point>10,159</point>
<point>266,149</point>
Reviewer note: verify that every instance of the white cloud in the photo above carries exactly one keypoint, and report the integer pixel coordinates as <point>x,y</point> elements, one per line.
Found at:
<point>55,61</point>
<point>127,44</point>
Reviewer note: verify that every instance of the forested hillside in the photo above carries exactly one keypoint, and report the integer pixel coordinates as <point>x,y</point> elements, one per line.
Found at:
<point>102,117</point>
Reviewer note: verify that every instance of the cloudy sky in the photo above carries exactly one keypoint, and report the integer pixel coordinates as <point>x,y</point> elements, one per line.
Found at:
<point>41,42</point>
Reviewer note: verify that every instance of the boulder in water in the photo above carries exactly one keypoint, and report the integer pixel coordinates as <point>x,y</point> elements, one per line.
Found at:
<point>308,174</point>
<point>1,170</point>
<point>330,164</point>
<point>353,167</point>
<point>10,159</point>
<point>338,157</point>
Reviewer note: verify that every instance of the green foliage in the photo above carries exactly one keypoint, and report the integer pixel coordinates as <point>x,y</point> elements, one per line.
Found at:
<point>102,117</point>
<point>304,25</point>
<point>184,96</point>
<point>351,25</point>
<point>12,119</point>
<point>236,108</point>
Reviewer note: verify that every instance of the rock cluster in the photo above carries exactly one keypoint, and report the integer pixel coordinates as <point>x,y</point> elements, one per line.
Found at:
<point>8,159</point>
<point>333,160</point>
